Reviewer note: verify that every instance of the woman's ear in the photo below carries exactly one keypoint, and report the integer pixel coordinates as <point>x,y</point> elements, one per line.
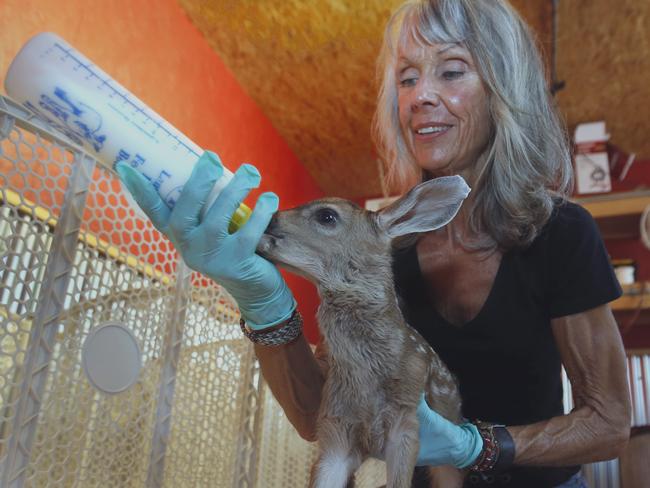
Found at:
<point>428,206</point>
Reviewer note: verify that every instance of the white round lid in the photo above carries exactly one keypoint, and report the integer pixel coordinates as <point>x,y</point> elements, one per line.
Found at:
<point>111,357</point>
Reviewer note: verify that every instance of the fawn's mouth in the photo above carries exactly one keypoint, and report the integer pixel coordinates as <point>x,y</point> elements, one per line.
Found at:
<point>266,246</point>
<point>270,248</point>
<point>266,243</point>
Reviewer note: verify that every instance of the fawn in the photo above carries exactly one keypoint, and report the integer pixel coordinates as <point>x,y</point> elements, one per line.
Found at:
<point>378,365</point>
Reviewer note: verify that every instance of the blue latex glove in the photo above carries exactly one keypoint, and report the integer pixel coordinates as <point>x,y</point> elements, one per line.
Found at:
<point>205,244</point>
<point>442,442</point>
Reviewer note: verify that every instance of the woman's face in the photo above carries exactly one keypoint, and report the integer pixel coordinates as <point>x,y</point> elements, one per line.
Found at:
<point>443,107</point>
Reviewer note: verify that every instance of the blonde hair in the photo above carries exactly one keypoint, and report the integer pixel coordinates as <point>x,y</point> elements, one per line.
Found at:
<point>528,160</point>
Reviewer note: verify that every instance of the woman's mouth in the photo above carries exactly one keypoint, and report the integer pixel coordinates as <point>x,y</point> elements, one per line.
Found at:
<point>428,132</point>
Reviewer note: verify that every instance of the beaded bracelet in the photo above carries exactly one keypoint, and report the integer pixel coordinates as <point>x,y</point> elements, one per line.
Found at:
<point>275,336</point>
<point>498,448</point>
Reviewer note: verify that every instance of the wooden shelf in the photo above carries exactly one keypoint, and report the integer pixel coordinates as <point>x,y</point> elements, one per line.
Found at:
<point>632,314</point>
<point>631,303</point>
<point>617,214</point>
<point>635,296</point>
<point>616,204</point>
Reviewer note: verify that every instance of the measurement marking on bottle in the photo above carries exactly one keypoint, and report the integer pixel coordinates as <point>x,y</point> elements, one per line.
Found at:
<point>139,113</point>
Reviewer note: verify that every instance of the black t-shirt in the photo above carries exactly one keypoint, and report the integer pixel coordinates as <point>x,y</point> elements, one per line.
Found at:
<point>505,359</point>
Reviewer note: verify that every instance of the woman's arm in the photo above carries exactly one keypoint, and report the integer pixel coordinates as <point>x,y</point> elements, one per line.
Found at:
<point>296,376</point>
<point>598,427</point>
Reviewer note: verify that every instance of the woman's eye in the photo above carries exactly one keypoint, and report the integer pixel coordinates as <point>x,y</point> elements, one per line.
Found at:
<point>452,75</point>
<point>408,76</point>
<point>408,82</point>
<point>453,69</point>
<point>326,216</point>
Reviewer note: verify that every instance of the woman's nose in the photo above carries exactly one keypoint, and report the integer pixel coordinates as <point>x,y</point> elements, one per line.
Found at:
<point>426,93</point>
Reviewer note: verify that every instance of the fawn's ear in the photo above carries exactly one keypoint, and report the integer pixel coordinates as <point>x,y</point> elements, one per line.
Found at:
<point>427,206</point>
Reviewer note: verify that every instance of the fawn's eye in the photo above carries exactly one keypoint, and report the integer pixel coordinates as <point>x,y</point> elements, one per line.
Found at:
<point>326,216</point>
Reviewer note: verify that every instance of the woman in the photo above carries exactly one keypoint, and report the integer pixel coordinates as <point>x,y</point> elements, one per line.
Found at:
<point>515,286</point>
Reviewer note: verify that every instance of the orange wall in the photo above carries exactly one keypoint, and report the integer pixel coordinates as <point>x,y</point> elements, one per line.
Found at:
<point>154,50</point>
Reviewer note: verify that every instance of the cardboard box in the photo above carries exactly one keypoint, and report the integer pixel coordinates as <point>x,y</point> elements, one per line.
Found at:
<point>591,161</point>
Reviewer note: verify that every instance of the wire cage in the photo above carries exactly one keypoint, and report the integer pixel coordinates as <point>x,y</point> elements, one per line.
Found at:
<point>76,255</point>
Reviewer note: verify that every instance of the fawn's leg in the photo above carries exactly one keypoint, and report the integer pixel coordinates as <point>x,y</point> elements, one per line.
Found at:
<point>401,450</point>
<point>338,459</point>
<point>335,470</point>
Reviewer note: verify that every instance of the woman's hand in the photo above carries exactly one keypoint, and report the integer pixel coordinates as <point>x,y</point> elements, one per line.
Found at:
<point>205,244</point>
<point>442,442</point>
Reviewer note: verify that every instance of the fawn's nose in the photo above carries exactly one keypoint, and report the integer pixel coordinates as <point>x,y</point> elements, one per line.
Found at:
<point>273,224</point>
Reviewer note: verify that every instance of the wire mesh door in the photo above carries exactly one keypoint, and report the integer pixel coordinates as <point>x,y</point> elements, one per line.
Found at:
<point>74,255</point>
